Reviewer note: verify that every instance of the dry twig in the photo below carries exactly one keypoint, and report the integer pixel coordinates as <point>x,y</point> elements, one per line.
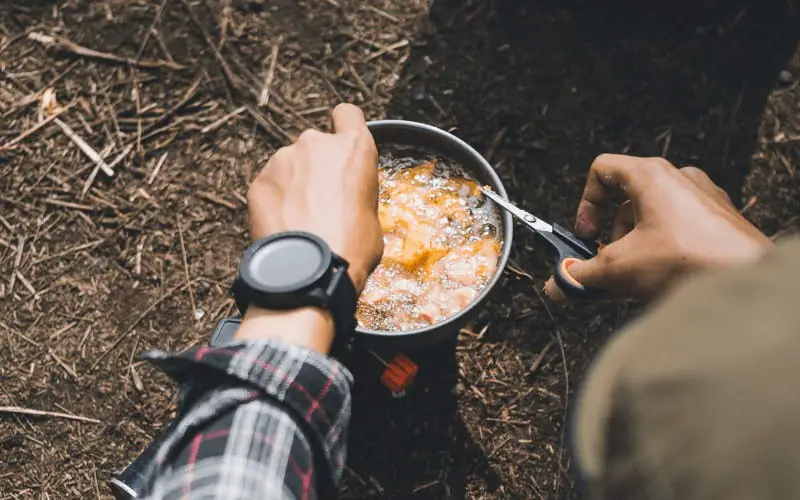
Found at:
<point>90,180</point>
<point>17,262</point>
<point>64,45</point>
<point>218,123</point>
<point>10,144</point>
<point>186,266</point>
<point>212,198</point>
<point>157,168</point>
<point>150,30</point>
<point>85,147</point>
<point>263,99</point>
<point>16,410</point>
<point>63,365</point>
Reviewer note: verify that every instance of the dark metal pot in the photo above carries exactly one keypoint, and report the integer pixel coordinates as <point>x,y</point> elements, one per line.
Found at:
<point>443,144</point>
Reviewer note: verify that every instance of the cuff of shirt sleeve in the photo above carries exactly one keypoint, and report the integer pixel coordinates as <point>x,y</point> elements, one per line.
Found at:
<point>315,388</point>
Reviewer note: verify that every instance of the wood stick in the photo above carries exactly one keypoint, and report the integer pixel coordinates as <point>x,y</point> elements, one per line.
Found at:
<point>230,77</point>
<point>270,126</point>
<point>67,204</point>
<point>26,283</point>
<point>218,123</point>
<point>62,330</point>
<point>157,168</point>
<point>150,30</point>
<point>538,361</point>
<point>90,180</point>
<point>85,147</point>
<point>64,45</point>
<point>40,413</point>
<point>186,267</point>
<point>212,198</point>
<point>21,335</point>
<point>388,48</point>
<point>187,97</point>
<point>10,144</point>
<point>63,365</point>
<point>17,262</point>
<point>263,99</point>
<point>383,13</point>
<point>70,250</point>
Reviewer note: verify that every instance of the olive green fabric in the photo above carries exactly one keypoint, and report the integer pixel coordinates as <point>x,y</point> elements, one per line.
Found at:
<point>700,398</point>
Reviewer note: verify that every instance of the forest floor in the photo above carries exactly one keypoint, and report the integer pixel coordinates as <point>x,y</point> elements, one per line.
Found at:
<point>96,268</point>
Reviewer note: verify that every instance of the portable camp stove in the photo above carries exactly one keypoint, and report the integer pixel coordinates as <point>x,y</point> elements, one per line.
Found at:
<point>398,373</point>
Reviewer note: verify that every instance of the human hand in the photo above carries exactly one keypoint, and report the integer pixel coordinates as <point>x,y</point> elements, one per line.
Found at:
<point>327,185</point>
<point>675,222</point>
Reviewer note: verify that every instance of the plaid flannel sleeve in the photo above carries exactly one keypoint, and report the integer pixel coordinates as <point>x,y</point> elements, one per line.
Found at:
<point>257,420</point>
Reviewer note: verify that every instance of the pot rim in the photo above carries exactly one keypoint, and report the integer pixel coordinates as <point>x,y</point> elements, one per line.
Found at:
<point>507,222</point>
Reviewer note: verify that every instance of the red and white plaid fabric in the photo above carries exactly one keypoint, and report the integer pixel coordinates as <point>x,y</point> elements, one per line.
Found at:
<point>257,420</point>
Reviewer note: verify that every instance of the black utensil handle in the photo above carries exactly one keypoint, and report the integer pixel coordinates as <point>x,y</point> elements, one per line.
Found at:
<point>571,287</point>
<point>585,248</point>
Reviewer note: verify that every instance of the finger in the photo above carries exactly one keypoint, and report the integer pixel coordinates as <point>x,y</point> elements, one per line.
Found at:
<point>552,290</point>
<point>624,220</point>
<point>347,117</point>
<point>608,175</point>
<point>610,270</point>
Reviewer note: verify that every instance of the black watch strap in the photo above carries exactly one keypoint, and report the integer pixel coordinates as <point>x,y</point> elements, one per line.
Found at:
<point>339,297</point>
<point>343,299</point>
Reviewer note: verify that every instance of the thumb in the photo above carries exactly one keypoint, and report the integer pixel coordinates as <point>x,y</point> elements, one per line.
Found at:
<point>604,271</point>
<point>347,117</point>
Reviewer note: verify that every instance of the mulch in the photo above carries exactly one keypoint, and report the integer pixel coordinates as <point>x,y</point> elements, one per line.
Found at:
<point>184,100</point>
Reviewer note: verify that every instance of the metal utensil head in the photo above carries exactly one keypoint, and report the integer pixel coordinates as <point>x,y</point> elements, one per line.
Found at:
<point>527,218</point>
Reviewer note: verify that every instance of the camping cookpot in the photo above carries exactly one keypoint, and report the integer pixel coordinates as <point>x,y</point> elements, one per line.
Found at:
<point>432,140</point>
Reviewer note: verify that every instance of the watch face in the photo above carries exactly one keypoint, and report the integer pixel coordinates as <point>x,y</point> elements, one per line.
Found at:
<point>287,263</point>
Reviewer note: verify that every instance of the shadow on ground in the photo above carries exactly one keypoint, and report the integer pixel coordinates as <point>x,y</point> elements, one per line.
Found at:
<point>417,444</point>
<point>541,88</point>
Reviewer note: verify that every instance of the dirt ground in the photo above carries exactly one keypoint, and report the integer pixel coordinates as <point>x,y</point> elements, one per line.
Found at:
<point>95,269</point>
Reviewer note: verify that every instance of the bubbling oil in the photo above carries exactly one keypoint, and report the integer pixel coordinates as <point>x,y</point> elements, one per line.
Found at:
<point>442,242</point>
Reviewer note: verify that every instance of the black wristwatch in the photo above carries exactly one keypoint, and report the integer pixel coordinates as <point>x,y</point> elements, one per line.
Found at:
<point>294,269</point>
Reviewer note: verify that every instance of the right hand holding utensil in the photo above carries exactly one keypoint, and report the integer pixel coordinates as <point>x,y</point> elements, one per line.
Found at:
<point>675,222</point>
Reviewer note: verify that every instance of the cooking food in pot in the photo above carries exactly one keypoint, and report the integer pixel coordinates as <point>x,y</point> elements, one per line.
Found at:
<point>441,246</point>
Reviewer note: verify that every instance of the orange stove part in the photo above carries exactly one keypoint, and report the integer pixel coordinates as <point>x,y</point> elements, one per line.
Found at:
<point>399,374</point>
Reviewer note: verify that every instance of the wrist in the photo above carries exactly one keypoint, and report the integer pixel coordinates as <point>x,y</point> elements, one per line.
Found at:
<point>308,327</point>
<point>734,253</point>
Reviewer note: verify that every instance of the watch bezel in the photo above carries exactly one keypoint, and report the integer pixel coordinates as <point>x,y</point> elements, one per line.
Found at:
<point>324,267</point>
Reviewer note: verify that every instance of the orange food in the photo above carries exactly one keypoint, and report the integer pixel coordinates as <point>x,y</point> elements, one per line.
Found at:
<point>437,253</point>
